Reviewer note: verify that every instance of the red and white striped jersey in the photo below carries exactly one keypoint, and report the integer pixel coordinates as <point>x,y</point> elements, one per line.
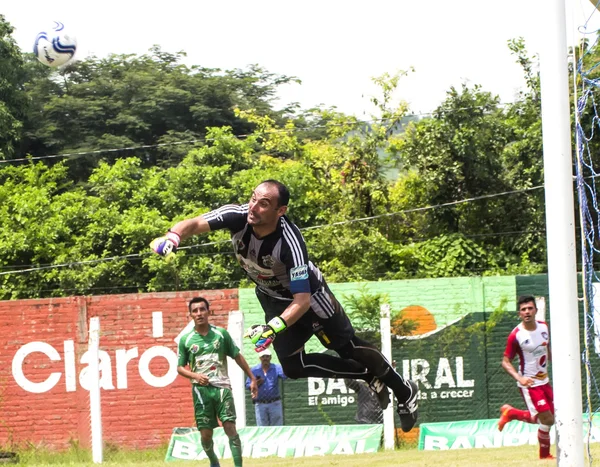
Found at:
<point>532,347</point>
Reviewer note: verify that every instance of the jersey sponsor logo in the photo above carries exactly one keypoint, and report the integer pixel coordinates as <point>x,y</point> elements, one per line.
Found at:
<point>266,282</point>
<point>268,261</point>
<point>299,273</point>
<point>259,275</point>
<point>194,348</point>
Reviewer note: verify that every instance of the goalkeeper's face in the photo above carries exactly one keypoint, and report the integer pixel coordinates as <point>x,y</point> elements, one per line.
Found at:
<point>263,207</point>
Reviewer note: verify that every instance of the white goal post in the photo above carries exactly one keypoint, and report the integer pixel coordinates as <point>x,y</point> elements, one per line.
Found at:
<point>560,232</point>
<point>94,382</point>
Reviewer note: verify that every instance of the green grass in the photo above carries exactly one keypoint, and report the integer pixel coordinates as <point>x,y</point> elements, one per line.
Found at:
<point>520,455</point>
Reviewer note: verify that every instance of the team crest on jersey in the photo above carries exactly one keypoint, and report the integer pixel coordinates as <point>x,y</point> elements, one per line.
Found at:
<point>268,261</point>
<point>239,245</point>
<point>194,348</point>
<point>216,345</point>
<point>299,273</point>
<point>545,335</point>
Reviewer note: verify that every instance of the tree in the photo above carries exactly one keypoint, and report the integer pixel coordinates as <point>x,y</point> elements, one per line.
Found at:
<point>13,99</point>
<point>365,309</point>
<point>109,106</point>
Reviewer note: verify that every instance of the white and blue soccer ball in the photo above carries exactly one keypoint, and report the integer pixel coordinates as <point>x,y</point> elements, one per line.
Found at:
<point>54,46</point>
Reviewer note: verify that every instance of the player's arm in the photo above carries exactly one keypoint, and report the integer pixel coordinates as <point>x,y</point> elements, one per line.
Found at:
<point>198,377</point>
<point>510,369</point>
<point>228,216</point>
<point>168,243</point>
<point>297,308</point>
<point>243,364</point>
<point>190,227</point>
<point>263,335</point>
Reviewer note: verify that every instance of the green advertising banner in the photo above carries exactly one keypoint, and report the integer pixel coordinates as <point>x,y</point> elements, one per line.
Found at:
<point>281,441</point>
<point>484,434</point>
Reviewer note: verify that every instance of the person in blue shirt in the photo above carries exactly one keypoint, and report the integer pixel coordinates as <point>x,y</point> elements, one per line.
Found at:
<point>267,404</point>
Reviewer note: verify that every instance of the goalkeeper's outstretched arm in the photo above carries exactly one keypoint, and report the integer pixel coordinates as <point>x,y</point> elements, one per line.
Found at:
<point>167,244</point>
<point>190,227</point>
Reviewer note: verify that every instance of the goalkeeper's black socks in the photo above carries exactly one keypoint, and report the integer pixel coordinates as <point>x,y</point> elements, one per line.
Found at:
<point>398,386</point>
<point>210,452</point>
<point>235,444</point>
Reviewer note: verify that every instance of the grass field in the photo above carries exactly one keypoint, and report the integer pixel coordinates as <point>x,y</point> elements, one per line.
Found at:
<point>521,455</point>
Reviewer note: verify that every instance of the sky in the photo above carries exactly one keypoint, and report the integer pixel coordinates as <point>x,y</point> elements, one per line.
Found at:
<point>334,47</point>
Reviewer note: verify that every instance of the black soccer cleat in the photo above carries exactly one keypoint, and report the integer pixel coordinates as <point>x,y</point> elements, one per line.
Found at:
<point>381,391</point>
<point>407,411</point>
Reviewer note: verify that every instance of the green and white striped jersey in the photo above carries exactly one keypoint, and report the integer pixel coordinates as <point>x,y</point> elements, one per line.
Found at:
<point>208,354</point>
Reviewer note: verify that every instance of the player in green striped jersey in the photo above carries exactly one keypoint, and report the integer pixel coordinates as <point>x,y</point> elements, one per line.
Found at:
<point>202,358</point>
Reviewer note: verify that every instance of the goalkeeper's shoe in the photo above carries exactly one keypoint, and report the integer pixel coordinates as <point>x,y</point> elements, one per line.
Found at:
<point>381,391</point>
<point>408,410</point>
<point>504,416</point>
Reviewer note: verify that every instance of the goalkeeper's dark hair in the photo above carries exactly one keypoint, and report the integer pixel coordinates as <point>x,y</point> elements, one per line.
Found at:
<point>284,194</point>
<point>526,299</point>
<point>198,300</point>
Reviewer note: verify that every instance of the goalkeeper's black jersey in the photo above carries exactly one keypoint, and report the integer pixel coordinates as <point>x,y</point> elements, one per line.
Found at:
<point>278,263</point>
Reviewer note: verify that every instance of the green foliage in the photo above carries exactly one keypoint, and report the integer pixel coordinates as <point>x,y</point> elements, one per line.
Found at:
<point>451,255</point>
<point>13,100</point>
<point>125,101</point>
<point>365,310</point>
<point>168,141</point>
<point>470,331</point>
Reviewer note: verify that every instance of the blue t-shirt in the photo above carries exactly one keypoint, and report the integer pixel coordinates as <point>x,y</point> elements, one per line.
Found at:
<point>270,388</point>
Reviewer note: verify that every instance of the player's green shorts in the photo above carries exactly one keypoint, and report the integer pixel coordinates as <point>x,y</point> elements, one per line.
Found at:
<point>212,404</point>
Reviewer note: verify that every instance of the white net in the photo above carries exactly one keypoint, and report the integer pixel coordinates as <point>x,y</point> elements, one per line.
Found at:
<point>587,121</point>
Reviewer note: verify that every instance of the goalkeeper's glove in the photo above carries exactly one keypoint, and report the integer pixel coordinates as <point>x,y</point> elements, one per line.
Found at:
<point>263,335</point>
<point>166,245</point>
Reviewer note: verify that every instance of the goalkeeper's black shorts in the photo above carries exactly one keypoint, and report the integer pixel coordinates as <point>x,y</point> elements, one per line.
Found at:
<point>325,319</point>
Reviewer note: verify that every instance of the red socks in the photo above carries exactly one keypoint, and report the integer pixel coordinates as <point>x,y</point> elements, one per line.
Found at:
<point>521,415</point>
<point>544,440</point>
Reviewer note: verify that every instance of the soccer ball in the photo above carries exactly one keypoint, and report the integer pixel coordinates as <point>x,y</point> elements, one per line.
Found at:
<point>54,47</point>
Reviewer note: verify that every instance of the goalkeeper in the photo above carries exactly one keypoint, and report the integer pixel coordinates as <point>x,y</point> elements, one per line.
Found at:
<point>295,297</point>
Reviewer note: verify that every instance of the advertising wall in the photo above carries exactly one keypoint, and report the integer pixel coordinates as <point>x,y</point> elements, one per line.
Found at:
<point>454,355</point>
<point>43,362</point>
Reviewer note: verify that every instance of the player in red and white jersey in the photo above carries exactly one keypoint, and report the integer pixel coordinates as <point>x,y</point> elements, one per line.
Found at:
<point>530,340</point>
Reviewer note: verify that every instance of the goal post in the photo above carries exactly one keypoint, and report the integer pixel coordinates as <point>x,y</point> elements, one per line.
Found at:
<point>560,233</point>
<point>389,431</point>
<point>235,327</point>
<point>94,382</point>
